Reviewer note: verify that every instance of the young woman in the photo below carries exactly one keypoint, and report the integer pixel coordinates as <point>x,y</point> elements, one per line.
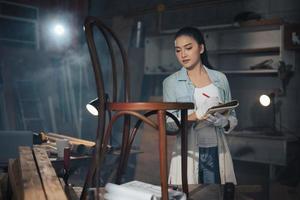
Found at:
<point>209,159</point>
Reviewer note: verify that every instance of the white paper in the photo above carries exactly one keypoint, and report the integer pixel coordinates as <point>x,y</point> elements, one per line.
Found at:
<point>109,196</point>
<point>124,193</point>
<point>137,190</point>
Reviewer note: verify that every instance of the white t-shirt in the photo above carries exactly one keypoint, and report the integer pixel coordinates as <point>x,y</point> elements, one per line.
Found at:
<point>205,97</point>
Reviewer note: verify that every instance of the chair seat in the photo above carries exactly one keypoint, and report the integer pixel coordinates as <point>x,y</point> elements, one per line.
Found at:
<point>136,106</point>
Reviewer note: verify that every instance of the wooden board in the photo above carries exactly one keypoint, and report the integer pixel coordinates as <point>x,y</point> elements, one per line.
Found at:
<point>50,181</point>
<point>69,190</point>
<point>31,182</point>
<point>72,140</point>
<point>15,178</point>
<point>4,187</point>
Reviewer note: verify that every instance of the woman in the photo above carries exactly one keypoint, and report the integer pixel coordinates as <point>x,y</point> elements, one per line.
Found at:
<point>209,159</point>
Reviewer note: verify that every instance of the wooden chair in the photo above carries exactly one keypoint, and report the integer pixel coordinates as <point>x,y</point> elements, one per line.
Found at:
<point>127,109</point>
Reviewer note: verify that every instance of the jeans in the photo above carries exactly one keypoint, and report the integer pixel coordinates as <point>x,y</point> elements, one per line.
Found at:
<point>209,172</point>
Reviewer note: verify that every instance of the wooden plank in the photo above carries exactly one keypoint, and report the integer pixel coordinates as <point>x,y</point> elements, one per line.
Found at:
<point>69,190</point>
<point>4,186</point>
<point>78,146</point>
<point>72,140</point>
<point>52,186</point>
<point>262,22</point>
<point>269,50</point>
<point>14,175</point>
<point>31,182</point>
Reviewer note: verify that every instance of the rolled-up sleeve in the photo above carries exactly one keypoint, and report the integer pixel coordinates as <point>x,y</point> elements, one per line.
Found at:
<point>233,121</point>
<point>169,95</point>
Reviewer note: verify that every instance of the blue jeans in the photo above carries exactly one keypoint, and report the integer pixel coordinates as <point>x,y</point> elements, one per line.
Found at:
<point>209,172</point>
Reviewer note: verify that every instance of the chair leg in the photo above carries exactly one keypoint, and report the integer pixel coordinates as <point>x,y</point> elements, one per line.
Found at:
<point>161,118</point>
<point>124,149</point>
<point>184,151</point>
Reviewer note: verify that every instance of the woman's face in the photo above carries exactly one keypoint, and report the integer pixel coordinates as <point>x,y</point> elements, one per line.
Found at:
<point>188,51</point>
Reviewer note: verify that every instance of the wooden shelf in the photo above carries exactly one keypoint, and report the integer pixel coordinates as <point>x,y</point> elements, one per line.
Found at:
<point>262,22</point>
<point>275,50</point>
<point>257,71</point>
<point>255,25</point>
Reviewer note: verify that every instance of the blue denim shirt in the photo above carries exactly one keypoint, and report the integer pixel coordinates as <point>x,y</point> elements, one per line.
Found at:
<point>179,88</point>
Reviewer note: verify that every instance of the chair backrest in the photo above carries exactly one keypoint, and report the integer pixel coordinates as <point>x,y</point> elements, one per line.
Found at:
<point>109,36</point>
<point>89,26</point>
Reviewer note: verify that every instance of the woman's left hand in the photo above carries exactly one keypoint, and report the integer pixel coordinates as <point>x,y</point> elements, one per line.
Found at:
<point>218,120</point>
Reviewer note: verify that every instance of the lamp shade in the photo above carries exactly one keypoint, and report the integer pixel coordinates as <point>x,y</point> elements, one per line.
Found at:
<point>92,107</point>
<point>264,100</point>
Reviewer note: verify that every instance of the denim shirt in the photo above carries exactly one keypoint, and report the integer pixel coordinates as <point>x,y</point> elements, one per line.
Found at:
<point>179,88</point>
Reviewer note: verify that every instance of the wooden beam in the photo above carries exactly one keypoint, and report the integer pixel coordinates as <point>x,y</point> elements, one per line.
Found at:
<point>262,22</point>
<point>69,190</point>
<point>5,189</point>
<point>31,182</point>
<point>72,140</point>
<point>50,181</point>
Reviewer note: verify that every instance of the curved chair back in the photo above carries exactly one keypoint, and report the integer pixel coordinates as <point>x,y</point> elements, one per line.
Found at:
<point>108,34</point>
<point>110,38</point>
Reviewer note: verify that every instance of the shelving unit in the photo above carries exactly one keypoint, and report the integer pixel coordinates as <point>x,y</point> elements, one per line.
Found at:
<point>236,50</point>
<point>231,50</point>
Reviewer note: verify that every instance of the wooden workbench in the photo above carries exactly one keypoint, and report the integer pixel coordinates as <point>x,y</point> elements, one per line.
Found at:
<point>32,176</point>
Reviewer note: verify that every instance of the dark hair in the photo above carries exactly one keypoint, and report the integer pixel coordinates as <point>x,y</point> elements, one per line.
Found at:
<point>198,36</point>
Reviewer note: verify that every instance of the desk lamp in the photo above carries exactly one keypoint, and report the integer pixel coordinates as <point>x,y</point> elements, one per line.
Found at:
<point>92,106</point>
<point>266,100</point>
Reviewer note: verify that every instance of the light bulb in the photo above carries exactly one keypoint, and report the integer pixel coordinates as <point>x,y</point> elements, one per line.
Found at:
<point>264,100</point>
<point>92,109</point>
